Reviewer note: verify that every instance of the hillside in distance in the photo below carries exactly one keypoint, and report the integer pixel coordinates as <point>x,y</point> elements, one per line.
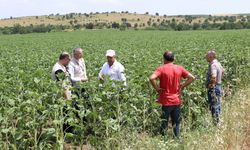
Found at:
<point>107,18</point>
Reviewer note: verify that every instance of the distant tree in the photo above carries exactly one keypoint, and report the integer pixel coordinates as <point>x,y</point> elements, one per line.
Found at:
<point>149,23</point>
<point>6,30</point>
<point>71,15</point>
<point>11,17</point>
<point>123,27</point>
<point>135,25</point>
<point>243,19</point>
<point>165,16</point>
<point>238,25</point>
<point>77,26</point>
<point>158,20</point>
<point>71,22</point>
<point>188,18</point>
<point>36,17</point>
<point>89,25</point>
<point>146,13</point>
<point>173,25</point>
<point>67,16</point>
<point>138,19</point>
<point>206,25</point>
<point>196,26</point>
<point>115,25</point>
<point>247,26</point>
<point>124,20</point>
<point>157,14</point>
<point>154,24</point>
<point>128,25</point>
<point>16,29</point>
<point>182,26</point>
<point>210,17</point>
<point>232,19</point>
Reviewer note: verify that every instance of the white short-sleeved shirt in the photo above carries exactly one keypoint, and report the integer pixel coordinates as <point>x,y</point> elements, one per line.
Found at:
<point>217,70</point>
<point>115,72</point>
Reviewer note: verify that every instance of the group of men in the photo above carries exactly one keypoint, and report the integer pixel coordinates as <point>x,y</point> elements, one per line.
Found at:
<point>169,87</point>
<point>73,70</point>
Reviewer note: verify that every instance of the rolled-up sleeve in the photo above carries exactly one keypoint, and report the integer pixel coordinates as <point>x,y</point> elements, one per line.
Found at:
<point>121,75</point>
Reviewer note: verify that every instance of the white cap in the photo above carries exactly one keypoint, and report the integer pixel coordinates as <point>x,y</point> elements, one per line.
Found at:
<point>110,53</point>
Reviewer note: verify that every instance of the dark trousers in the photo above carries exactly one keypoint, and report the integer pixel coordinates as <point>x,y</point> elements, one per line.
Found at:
<point>174,112</point>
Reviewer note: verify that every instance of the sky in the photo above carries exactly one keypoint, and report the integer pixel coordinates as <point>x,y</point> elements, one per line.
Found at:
<point>18,8</point>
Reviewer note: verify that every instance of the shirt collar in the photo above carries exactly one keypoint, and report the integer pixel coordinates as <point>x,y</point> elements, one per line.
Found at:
<point>63,67</point>
<point>214,61</point>
<point>115,62</point>
<point>77,61</point>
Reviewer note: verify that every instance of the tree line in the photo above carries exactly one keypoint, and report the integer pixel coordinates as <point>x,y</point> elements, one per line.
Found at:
<point>178,23</point>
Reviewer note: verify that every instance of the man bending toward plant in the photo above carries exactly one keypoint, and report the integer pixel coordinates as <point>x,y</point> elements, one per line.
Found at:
<point>169,90</point>
<point>59,73</point>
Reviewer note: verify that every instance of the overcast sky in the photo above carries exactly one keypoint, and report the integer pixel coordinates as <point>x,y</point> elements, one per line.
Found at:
<point>16,8</point>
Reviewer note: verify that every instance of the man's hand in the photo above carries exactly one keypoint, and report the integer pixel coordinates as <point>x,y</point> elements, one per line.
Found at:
<point>211,86</point>
<point>101,78</point>
<point>84,79</point>
<point>159,90</point>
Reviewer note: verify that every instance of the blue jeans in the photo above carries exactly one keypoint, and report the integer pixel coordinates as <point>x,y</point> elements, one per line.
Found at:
<point>214,101</point>
<point>174,112</point>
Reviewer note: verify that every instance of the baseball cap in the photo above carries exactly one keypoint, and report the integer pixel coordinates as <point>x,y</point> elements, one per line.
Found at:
<point>110,53</point>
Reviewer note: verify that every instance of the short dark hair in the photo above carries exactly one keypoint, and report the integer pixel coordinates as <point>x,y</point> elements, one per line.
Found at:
<point>168,56</point>
<point>64,55</point>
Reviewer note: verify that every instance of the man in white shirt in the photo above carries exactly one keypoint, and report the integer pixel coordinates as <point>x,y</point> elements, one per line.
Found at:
<point>112,68</point>
<point>77,68</point>
<point>59,73</point>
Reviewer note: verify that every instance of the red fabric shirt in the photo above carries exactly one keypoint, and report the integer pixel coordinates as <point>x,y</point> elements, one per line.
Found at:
<point>170,76</point>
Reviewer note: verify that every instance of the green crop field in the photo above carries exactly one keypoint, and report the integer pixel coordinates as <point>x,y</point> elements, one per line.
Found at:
<point>31,105</point>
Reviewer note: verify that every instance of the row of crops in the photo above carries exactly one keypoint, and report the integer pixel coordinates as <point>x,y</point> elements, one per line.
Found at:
<point>31,105</point>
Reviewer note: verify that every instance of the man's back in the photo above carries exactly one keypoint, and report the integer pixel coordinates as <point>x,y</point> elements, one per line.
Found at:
<point>170,76</point>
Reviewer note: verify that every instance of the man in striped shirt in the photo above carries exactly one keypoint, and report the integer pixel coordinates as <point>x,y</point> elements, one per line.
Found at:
<point>214,77</point>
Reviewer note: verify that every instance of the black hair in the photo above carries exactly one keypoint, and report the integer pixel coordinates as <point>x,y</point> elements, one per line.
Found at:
<point>168,56</point>
<point>63,56</point>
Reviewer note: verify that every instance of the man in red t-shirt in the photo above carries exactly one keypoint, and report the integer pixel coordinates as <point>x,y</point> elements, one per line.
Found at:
<point>169,90</point>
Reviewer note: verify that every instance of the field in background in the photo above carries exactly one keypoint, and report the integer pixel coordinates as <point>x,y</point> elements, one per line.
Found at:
<point>31,104</point>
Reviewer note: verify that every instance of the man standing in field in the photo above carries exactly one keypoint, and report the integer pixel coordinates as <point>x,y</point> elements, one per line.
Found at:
<point>169,90</point>
<point>59,73</point>
<point>213,84</point>
<point>112,68</point>
<point>77,71</point>
<point>77,67</point>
